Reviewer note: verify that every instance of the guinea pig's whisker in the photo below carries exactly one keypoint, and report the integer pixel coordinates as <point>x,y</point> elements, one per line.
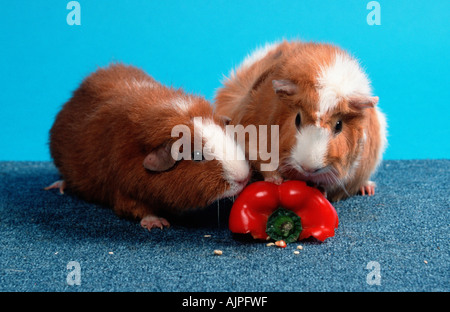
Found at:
<point>289,167</point>
<point>218,213</point>
<point>339,182</point>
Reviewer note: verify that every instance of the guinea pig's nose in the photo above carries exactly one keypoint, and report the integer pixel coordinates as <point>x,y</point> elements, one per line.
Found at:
<point>310,170</point>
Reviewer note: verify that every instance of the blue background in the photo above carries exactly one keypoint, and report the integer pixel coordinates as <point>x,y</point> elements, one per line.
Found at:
<point>192,44</point>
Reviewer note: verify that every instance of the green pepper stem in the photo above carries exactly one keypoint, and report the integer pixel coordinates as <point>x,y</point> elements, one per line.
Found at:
<point>284,225</point>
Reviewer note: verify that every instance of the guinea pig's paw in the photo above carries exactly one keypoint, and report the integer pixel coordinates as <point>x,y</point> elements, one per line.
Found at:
<point>60,184</point>
<point>368,188</point>
<point>151,221</point>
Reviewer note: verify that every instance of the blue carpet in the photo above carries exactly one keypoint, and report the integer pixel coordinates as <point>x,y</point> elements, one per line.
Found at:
<point>404,229</point>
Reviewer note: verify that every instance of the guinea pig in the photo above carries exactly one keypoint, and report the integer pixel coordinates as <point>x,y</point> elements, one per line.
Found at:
<point>332,133</point>
<point>114,144</point>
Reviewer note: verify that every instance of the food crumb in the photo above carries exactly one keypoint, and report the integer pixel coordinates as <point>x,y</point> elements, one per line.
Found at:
<point>111,253</point>
<point>300,247</point>
<point>218,252</point>
<point>207,235</point>
<point>425,261</point>
<point>296,252</point>
<point>270,244</point>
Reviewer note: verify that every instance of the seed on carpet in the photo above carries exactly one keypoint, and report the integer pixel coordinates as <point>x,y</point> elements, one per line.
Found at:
<point>218,252</point>
<point>281,243</point>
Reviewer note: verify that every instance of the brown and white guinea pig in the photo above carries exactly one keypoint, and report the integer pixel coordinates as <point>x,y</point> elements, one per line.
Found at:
<point>112,143</point>
<point>332,134</point>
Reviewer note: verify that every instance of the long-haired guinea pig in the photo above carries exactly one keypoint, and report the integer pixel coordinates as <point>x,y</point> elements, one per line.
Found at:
<point>112,143</point>
<point>332,134</point>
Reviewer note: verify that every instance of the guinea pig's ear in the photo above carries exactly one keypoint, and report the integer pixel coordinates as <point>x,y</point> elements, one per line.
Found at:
<point>362,101</point>
<point>159,159</point>
<point>284,86</point>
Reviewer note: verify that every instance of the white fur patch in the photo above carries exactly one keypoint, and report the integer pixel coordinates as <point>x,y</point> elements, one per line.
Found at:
<point>354,166</point>
<point>143,84</point>
<point>133,83</point>
<point>182,104</point>
<point>259,53</point>
<point>383,133</point>
<point>255,56</point>
<point>342,78</point>
<point>222,147</point>
<point>311,147</point>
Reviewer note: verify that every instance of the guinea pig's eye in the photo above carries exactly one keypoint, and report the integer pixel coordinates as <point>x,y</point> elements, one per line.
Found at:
<point>338,127</point>
<point>298,121</point>
<point>197,156</point>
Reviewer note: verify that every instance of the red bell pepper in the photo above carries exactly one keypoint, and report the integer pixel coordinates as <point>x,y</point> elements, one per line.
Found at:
<point>290,211</point>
